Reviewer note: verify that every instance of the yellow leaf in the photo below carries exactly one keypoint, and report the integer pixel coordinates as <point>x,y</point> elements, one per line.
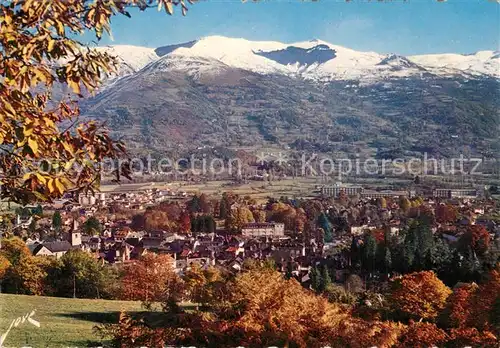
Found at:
<point>67,183</point>
<point>33,145</point>
<point>75,86</point>
<point>60,28</point>
<point>40,75</point>
<point>27,130</point>
<point>67,147</point>
<point>59,185</point>
<point>50,185</point>
<point>50,123</point>
<point>9,108</point>
<point>26,176</point>
<point>50,46</point>
<point>69,164</point>
<point>41,178</point>
<point>169,7</point>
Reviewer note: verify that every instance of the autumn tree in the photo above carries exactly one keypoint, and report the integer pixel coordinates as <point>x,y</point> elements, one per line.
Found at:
<point>239,217</point>
<point>13,249</point>
<point>472,337</point>
<point>382,203</point>
<point>4,266</point>
<point>301,319</point>
<point>38,50</point>
<point>185,222</point>
<point>149,279</point>
<point>28,276</point>
<point>422,334</point>
<point>404,204</point>
<point>202,286</point>
<point>446,213</point>
<point>477,238</point>
<point>459,306</point>
<point>156,220</point>
<point>485,305</point>
<point>419,295</point>
<point>259,215</point>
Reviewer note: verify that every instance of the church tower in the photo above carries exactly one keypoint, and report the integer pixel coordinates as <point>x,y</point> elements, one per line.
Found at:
<point>75,236</point>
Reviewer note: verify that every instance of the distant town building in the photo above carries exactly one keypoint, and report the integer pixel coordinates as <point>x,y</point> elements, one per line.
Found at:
<point>338,188</point>
<point>88,199</point>
<point>372,194</point>
<point>54,249</point>
<point>263,229</point>
<point>455,193</point>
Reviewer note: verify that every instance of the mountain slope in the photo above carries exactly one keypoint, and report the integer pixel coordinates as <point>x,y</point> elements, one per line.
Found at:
<point>177,104</point>
<point>309,95</point>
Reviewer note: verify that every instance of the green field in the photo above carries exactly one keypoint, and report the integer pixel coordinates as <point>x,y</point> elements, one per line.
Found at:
<point>63,322</point>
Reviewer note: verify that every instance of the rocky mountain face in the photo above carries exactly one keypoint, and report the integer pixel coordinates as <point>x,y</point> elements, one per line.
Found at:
<point>311,96</point>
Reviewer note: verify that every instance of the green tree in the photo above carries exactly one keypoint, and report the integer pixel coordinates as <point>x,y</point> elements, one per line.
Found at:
<point>32,226</point>
<point>326,280</point>
<point>324,224</point>
<point>369,253</point>
<point>92,226</point>
<point>80,275</point>
<point>57,221</point>
<point>315,276</point>
<point>409,249</point>
<point>224,208</point>
<point>194,205</point>
<point>425,245</point>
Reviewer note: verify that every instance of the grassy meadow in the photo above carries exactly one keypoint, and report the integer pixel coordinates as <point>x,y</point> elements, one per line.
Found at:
<point>64,322</point>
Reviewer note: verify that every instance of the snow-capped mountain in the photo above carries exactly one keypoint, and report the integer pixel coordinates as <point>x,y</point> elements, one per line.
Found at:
<point>221,91</point>
<point>131,58</point>
<point>480,63</point>
<point>312,60</point>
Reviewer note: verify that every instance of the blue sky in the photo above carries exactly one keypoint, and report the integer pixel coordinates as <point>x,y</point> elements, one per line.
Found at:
<point>411,27</point>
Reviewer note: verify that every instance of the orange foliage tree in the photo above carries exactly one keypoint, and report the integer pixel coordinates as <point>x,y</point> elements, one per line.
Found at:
<point>419,295</point>
<point>150,279</point>
<point>185,222</point>
<point>477,238</point>
<point>446,213</point>
<point>4,266</point>
<point>472,337</point>
<point>459,306</point>
<point>39,50</point>
<point>473,313</point>
<point>422,334</point>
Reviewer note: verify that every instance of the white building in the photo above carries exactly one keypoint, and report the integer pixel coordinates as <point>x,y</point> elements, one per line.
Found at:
<point>263,229</point>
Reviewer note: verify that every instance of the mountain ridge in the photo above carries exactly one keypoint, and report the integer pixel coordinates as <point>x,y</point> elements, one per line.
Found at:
<point>210,94</point>
<point>299,59</point>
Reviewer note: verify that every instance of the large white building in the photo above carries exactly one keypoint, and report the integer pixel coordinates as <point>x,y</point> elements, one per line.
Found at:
<point>263,229</point>
<point>92,199</point>
<point>338,188</point>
